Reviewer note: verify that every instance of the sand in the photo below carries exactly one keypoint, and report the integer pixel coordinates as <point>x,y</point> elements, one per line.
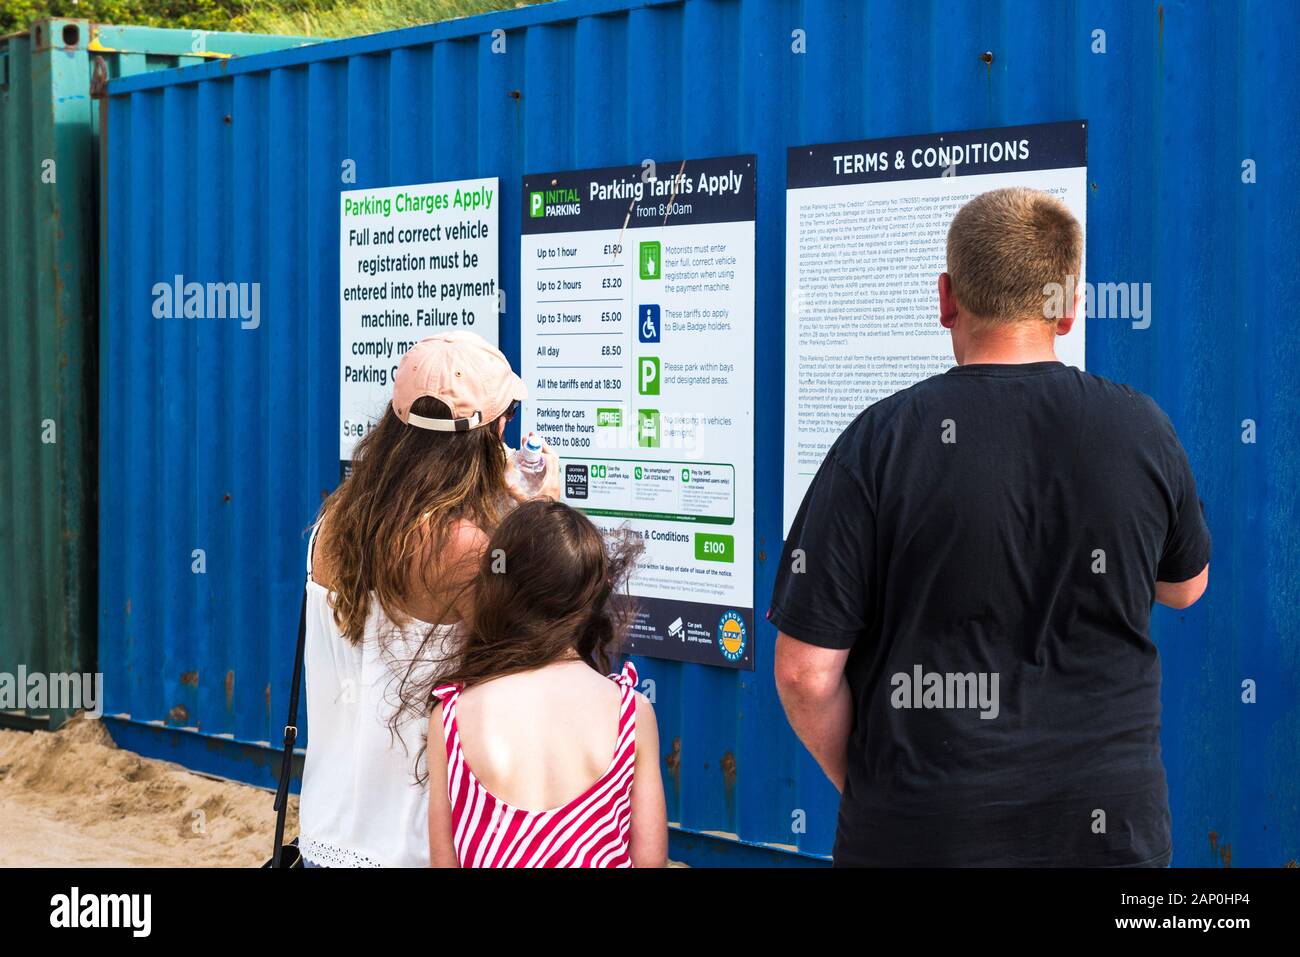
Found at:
<point>74,799</point>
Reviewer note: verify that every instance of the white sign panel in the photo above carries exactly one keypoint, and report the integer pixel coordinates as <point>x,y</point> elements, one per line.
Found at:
<point>638,351</point>
<point>413,261</point>
<point>866,237</point>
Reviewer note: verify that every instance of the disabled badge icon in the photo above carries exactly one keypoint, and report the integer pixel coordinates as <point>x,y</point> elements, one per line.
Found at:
<point>648,327</point>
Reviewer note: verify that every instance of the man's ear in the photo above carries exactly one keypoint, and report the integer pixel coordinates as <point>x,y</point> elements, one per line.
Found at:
<point>947,302</point>
<point>1066,322</point>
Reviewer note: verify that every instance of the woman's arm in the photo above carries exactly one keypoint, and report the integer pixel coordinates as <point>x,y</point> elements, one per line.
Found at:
<point>649,833</point>
<point>442,847</point>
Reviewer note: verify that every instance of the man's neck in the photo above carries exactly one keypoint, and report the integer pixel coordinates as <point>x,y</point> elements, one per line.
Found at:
<point>1009,346</point>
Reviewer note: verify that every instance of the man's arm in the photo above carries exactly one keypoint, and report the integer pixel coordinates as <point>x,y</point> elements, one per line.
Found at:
<point>1187,545</point>
<point>821,606</point>
<point>815,694</point>
<point>1183,594</point>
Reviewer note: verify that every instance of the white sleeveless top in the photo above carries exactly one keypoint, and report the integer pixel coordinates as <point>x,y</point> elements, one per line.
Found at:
<point>360,804</point>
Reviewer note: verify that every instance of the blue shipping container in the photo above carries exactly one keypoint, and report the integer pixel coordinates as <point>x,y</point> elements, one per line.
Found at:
<point>224,439</point>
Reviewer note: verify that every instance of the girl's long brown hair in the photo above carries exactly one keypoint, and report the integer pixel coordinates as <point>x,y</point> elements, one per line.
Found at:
<point>550,586</point>
<point>407,489</point>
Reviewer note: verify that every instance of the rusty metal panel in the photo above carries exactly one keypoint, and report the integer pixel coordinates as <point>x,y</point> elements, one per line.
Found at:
<point>49,123</point>
<point>224,439</point>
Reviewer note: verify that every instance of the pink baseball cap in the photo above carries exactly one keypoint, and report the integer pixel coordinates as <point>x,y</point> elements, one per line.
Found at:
<point>462,370</point>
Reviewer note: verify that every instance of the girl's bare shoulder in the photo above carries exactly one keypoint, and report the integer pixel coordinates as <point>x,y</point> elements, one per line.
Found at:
<point>558,681</point>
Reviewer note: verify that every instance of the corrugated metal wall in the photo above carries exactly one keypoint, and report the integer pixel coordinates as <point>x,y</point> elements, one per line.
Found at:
<point>49,127</point>
<point>225,439</point>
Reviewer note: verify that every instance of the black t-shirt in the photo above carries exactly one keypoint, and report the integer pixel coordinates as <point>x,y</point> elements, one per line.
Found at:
<point>986,544</point>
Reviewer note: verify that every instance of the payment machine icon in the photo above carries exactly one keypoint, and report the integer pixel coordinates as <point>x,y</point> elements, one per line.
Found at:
<point>647,329</point>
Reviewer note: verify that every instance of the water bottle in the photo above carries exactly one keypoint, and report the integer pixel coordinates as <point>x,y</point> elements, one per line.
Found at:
<point>529,465</point>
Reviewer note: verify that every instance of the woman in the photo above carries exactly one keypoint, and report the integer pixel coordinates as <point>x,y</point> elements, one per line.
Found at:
<point>392,553</point>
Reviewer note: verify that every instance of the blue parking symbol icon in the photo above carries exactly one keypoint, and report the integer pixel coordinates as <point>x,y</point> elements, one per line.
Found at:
<point>647,325</point>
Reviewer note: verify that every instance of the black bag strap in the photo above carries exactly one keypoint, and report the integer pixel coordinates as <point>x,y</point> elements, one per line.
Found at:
<point>290,731</point>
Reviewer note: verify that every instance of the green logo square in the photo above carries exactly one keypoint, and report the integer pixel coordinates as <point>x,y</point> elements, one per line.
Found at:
<point>715,548</point>
<point>647,429</point>
<point>636,473</point>
<point>651,267</point>
<point>686,475</point>
<point>536,205</point>
<point>647,379</point>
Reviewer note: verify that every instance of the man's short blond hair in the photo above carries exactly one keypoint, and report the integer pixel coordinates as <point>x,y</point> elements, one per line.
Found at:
<point>1005,246</point>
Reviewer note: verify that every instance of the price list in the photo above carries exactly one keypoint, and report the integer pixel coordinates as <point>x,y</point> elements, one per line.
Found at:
<point>637,346</point>
<point>580,318</point>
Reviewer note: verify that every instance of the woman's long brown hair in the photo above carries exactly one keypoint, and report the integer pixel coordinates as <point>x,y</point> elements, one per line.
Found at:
<point>407,489</point>
<point>550,586</point>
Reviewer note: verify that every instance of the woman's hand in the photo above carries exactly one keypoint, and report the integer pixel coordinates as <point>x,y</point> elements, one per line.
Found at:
<point>551,479</point>
<point>550,487</point>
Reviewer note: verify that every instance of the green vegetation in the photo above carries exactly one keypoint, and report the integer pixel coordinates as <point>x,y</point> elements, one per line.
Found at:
<point>346,18</point>
<point>316,18</point>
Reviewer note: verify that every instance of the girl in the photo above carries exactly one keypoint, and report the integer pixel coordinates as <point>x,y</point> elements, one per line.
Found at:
<point>548,762</point>
<point>390,556</point>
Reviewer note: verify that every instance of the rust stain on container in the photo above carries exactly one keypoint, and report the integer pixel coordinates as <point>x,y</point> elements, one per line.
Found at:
<point>230,691</point>
<point>1224,851</point>
<point>728,765</point>
<point>178,715</point>
<point>98,78</point>
<point>190,678</point>
<point>673,762</point>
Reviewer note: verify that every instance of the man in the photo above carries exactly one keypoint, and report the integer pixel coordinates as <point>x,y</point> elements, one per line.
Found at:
<point>964,598</point>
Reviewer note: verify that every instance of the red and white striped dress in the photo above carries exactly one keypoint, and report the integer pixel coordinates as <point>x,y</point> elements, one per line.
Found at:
<point>589,831</point>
